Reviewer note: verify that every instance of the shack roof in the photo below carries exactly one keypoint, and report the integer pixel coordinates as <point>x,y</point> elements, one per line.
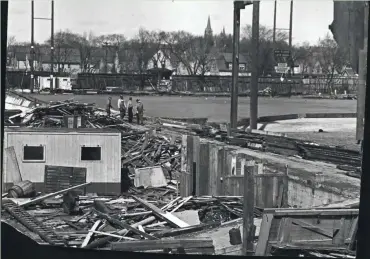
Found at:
<point>63,130</point>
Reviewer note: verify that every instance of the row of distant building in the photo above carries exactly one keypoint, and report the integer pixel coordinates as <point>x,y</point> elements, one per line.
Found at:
<point>69,60</point>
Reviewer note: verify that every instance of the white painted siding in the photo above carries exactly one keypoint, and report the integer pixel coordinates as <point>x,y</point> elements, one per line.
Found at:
<point>64,149</point>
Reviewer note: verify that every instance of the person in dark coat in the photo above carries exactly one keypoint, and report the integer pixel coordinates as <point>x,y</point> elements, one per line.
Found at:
<point>139,112</point>
<point>130,110</point>
<point>109,106</point>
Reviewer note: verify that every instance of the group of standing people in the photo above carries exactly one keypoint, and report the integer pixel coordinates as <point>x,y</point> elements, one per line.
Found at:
<point>128,107</point>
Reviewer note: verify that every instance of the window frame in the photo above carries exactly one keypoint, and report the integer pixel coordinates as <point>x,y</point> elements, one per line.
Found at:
<point>34,161</point>
<point>91,161</point>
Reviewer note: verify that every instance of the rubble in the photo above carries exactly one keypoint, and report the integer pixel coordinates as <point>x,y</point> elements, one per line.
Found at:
<point>149,215</point>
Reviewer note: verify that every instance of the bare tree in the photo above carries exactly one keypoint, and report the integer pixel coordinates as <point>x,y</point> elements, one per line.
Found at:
<point>193,52</point>
<point>64,49</point>
<point>266,46</point>
<point>302,56</point>
<point>332,59</point>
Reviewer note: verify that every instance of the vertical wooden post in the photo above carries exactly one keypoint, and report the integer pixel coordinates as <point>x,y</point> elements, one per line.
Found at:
<point>195,169</point>
<point>190,160</point>
<point>184,178</point>
<point>285,188</point>
<point>202,175</point>
<point>220,171</point>
<point>248,210</point>
<point>212,169</point>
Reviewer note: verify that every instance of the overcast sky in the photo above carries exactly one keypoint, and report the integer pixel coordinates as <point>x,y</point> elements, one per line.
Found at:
<point>310,18</point>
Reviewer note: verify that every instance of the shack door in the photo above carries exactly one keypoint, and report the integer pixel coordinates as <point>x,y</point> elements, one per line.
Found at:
<point>61,177</point>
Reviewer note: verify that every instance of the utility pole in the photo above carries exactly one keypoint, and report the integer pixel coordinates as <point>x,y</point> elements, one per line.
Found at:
<point>235,68</point>
<point>52,48</point>
<point>274,29</point>
<point>290,37</point>
<point>238,5</point>
<point>32,82</point>
<point>254,78</point>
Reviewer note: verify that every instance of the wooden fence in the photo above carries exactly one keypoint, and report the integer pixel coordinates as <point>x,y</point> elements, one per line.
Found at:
<point>295,85</point>
<point>217,170</point>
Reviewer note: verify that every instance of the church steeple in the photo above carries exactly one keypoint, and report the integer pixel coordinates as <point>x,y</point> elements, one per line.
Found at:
<point>208,30</point>
<point>208,33</point>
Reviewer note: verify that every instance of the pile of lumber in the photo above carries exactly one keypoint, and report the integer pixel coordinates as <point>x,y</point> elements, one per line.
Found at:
<point>147,220</point>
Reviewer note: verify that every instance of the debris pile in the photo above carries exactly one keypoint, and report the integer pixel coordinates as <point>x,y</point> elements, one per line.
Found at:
<point>151,219</point>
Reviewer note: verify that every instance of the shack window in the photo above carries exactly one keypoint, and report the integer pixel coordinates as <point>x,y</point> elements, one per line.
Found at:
<point>33,153</point>
<point>90,153</point>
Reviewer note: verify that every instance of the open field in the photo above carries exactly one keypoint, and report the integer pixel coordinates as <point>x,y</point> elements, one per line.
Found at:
<point>217,109</point>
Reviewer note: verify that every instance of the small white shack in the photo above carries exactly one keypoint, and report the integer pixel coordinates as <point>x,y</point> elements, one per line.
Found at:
<point>97,150</point>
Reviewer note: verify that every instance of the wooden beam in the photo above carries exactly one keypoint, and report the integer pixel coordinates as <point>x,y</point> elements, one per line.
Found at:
<point>220,174</point>
<point>284,231</point>
<point>145,245</point>
<point>312,228</point>
<point>312,212</point>
<point>124,225</point>
<point>91,233</point>
<point>202,175</point>
<point>285,196</point>
<point>171,220</point>
<point>248,209</point>
<point>264,234</point>
<point>212,169</point>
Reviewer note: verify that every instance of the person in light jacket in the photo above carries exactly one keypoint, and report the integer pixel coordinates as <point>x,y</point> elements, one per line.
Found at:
<point>121,107</point>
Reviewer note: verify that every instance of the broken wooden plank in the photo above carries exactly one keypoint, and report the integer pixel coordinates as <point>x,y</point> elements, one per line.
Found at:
<point>264,234</point>
<point>187,230</point>
<point>124,225</point>
<point>12,166</point>
<point>145,245</point>
<point>169,218</point>
<point>112,235</point>
<point>90,234</point>
<point>44,197</point>
<point>103,241</point>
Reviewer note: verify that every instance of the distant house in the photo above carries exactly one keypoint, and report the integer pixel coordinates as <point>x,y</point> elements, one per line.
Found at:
<point>224,65</point>
<point>164,58</point>
<point>65,59</point>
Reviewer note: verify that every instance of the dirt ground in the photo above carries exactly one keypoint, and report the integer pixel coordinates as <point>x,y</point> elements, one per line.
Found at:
<point>217,109</point>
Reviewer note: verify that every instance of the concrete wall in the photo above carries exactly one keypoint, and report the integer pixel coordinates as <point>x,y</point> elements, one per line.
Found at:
<point>64,149</point>
<point>302,195</point>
